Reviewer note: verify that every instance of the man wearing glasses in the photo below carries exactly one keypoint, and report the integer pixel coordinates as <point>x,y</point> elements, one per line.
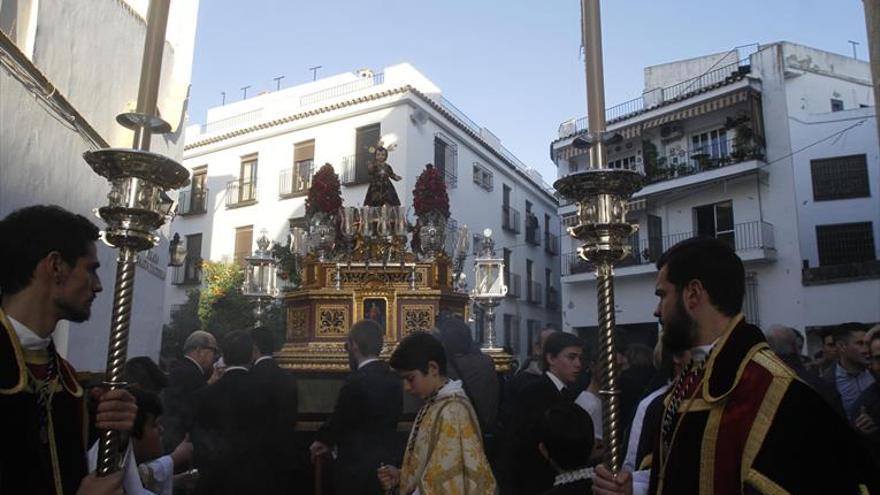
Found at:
<point>188,375</point>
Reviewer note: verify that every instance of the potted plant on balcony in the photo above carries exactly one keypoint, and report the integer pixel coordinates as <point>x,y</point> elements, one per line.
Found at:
<point>431,205</point>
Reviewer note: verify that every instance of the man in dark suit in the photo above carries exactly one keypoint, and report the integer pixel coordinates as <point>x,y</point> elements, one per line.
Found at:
<point>527,472</point>
<point>229,430</point>
<point>278,394</point>
<point>187,377</point>
<point>364,421</point>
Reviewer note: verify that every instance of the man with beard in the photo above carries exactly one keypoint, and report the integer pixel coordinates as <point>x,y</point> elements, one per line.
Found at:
<point>737,420</point>
<point>48,273</point>
<point>364,422</point>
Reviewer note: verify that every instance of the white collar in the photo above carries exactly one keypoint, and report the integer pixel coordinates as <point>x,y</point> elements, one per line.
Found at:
<point>233,368</point>
<point>366,362</point>
<point>29,340</point>
<point>701,352</point>
<point>262,358</point>
<point>452,387</point>
<point>556,381</point>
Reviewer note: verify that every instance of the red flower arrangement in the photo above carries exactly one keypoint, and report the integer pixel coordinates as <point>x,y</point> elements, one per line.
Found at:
<point>325,195</point>
<point>429,195</point>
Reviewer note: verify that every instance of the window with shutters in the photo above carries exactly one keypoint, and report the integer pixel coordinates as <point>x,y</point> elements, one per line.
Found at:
<point>845,243</point>
<point>365,138</point>
<point>296,180</point>
<point>244,239</point>
<point>446,159</point>
<point>841,177</point>
<point>483,177</point>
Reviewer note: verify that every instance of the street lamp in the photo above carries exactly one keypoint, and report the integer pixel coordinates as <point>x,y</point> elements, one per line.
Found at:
<point>259,277</point>
<point>489,288</point>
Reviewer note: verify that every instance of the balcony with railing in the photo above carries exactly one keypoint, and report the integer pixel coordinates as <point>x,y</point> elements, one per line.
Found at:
<point>716,152</point>
<point>551,243</point>
<point>533,236</point>
<point>296,181</point>
<point>188,274</point>
<point>192,202</point>
<point>536,293</point>
<point>240,193</point>
<point>658,97</point>
<point>349,176</point>
<point>552,298</point>
<point>514,285</point>
<point>753,241</point>
<point>510,219</point>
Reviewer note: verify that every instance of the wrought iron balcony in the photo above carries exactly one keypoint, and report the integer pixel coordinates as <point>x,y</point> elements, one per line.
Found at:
<point>552,298</point>
<point>514,282</point>
<point>753,241</point>
<point>551,243</point>
<point>192,202</point>
<point>188,274</point>
<point>536,293</point>
<point>240,193</point>
<point>532,230</point>
<point>510,219</point>
<point>717,153</point>
<point>296,181</point>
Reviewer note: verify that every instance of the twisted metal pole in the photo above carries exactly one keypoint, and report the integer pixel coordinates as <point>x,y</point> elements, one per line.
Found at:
<point>608,360</point>
<point>117,352</point>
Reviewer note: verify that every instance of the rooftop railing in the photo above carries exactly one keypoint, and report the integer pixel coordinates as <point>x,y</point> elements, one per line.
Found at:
<point>659,96</point>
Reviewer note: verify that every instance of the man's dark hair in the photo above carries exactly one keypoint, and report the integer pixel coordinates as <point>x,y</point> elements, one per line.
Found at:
<point>567,434</point>
<point>29,234</point>
<point>844,331</point>
<point>144,373</point>
<point>714,264</point>
<point>555,343</point>
<point>265,340</point>
<point>238,348</point>
<point>416,350</point>
<point>367,334</point>
<point>147,403</point>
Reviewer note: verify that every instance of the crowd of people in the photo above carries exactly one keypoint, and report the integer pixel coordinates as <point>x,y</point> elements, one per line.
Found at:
<point>717,407</point>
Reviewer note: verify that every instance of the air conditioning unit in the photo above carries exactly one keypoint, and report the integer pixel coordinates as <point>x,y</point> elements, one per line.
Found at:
<point>673,130</point>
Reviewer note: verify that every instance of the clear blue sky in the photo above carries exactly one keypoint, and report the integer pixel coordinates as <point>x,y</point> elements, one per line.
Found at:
<point>512,65</point>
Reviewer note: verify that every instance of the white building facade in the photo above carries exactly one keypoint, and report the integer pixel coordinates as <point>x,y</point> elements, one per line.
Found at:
<point>67,68</point>
<point>772,148</point>
<point>254,159</point>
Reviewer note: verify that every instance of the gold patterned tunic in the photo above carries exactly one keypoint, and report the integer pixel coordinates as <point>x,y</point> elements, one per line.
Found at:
<point>444,454</point>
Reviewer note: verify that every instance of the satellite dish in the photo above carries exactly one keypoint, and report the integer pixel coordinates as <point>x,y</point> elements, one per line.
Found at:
<point>487,232</point>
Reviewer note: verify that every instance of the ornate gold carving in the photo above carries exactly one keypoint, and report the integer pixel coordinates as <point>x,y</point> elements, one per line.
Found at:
<point>332,320</point>
<point>297,323</point>
<point>417,318</point>
<point>360,276</point>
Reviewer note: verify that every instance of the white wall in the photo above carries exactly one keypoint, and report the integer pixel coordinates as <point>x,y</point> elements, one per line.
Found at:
<point>334,135</point>
<point>90,50</point>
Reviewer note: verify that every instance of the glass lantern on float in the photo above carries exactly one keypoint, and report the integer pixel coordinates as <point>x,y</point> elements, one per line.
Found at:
<point>259,277</point>
<point>489,287</point>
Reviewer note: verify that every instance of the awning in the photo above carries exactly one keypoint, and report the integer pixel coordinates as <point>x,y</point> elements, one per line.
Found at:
<point>705,107</point>
<point>635,130</point>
